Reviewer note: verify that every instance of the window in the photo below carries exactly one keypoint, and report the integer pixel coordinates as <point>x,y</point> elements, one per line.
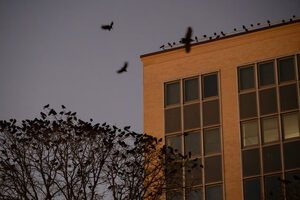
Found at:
<point>191,116</point>
<point>271,158</point>
<point>211,114</point>
<point>290,124</point>
<point>214,193</point>
<point>249,133</point>
<point>194,194</point>
<point>291,155</point>
<point>246,78</point>
<point>286,69</point>
<point>248,105</point>
<point>252,189</point>
<point>212,141</point>
<point>193,171</point>
<point>174,175</point>
<point>213,170</point>
<point>192,144</point>
<point>172,93</point>
<point>266,73</point>
<point>210,86</point>
<point>268,102</point>
<point>173,195</point>
<point>251,162</point>
<point>270,130</point>
<point>273,187</point>
<point>293,186</point>
<point>175,143</point>
<point>172,120</point>
<point>288,97</point>
<point>191,89</point>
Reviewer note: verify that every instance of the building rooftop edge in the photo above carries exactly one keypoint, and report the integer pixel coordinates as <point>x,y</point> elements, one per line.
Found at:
<point>221,38</point>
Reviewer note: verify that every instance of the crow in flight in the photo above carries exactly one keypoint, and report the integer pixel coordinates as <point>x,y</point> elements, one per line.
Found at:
<point>123,69</point>
<point>107,27</point>
<point>187,40</point>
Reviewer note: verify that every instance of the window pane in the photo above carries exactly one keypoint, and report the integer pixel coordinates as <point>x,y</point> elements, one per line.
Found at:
<point>192,144</point>
<point>172,120</point>
<point>266,73</point>
<point>173,174</point>
<point>286,69</point>
<point>298,60</point>
<point>288,97</point>
<point>213,169</point>
<point>249,133</point>
<point>252,189</point>
<point>194,194</point>
<point>212,141</point>
<point>191,89</point>
<point>246,78</point>
<point>270,129</point>
<point>175,143</point>
<point>210,86</point>
<point>273,189</point>
<point>172,93</point>
<point>293,186</point>
<point>214,193</point>
<point>271,158</point>
<point>268,102</point>
<point>291,155</point>
<point>193,173</point>
<point>211,113</point>
<point>248,105</point>
<point>290,123</point>
<point>251,163</point>
<point>174,195</point>
<point>192,116</point>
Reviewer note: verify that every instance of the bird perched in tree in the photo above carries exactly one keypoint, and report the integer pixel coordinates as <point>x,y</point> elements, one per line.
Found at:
<point>123,69</point>
<point>107,27</point>
<point>187,39</point>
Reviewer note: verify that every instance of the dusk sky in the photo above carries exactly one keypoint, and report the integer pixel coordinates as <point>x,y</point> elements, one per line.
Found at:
<point>54,51</point>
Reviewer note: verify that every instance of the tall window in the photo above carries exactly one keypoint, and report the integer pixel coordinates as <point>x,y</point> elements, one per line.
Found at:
<point>269,123</point>
<point>193,129</point>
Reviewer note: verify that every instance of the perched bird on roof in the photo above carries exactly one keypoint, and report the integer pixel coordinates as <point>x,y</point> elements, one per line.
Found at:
<point>162,47</point>
<point>170,45</point>
<point>258,24</point>
<point>204,36</point>
<point>234,29</point>
<point>123,69</point>
<point>187,39</point>
<point>222,33</point>
<point>196,38</point>
<point>269,22</point>
<point>107,27</point>
<point>283,21</point>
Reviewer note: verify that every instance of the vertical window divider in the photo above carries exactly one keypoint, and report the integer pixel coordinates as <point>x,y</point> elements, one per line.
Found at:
<point>182,134</point>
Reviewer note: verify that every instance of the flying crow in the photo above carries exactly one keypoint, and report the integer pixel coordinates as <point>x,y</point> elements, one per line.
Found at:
<point>187,40</point>
<point>123,69</point>
<point>107,27</point>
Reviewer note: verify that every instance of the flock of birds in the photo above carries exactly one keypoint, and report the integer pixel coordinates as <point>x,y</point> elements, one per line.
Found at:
<point>188,37</point>
<point>187,40</point>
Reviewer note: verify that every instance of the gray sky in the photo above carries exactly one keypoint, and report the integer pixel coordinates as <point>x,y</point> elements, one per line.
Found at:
<point>53,51</point>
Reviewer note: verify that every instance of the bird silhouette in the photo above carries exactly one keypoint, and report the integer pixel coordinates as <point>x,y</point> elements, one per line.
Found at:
<point>170,45</point>
<point>234,29</point>
<point>269,22</point>
<point>174,43</point>
<point>215,33</point>
<point>196,38</point>
<point>107,27</point>
<point>162,47</point>
<point>187,39</point>
<point>222,33</point>
<point>258,24</point>
<point>204,36</point>
<point>123,69</point>
<point>46,106</point>
<point>251,25</point>
<point>294,16</point>
<point>283,21</point>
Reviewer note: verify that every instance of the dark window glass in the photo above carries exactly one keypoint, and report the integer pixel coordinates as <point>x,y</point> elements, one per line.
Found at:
<point>268,102</point>
<point>288,97</point>
<point>252,189</point>
<point>192,144</point>
<point>273,189</point>
<point>251,163</point>
<point>175,143</point>
<point>193,173</point>
<point>212,141</point>
<point>286,69</point>
<point>211,113</point>
<point>191,116</point>
<point>266,73</point>
<point>249,133</point>
<point>173,174</point>
<point>172,93</point>
<point>271,158</point>
<point>246,77</point>
<point>210,86</point>
<point>172,120</point>
<point>214,193</point>
<point>248,105</point>
<point>290,124</point>
<point>194,194</point>
<point>293,185</point>
<point>298,60</point>
<point>213,169</point>
<point>291,155</point>
<point>270,130</point>
<point>191,89</point>
<point>174,195</point>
